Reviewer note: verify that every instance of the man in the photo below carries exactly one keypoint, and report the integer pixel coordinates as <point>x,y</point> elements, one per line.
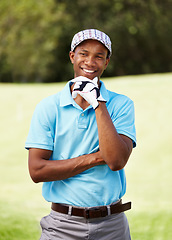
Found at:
<point>79,141</point>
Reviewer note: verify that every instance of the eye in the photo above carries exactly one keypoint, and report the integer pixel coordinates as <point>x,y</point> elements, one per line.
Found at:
<point>99,57</point>
<point>83,54</point>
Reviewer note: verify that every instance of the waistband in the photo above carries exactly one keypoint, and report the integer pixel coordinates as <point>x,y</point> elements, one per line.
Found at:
<point>93,212</point>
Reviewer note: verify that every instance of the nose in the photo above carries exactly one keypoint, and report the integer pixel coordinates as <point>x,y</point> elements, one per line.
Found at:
<point>90,61</point>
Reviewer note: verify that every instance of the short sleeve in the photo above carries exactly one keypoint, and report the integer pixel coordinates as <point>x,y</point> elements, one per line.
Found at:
<point>41,129</point>
<point>123,117</point>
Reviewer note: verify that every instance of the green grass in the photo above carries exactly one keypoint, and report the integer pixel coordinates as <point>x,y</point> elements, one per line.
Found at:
<point>148,171</point>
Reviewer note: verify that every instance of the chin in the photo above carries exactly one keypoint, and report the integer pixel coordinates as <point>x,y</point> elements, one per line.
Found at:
<point>91,77</point>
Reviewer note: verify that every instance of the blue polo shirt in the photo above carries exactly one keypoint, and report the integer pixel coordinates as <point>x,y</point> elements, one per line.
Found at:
<point>60,125</point>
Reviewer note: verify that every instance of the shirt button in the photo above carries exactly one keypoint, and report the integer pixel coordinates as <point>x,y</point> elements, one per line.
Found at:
<point>82,114</point>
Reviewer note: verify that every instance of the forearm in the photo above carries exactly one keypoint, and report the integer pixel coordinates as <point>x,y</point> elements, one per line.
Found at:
<point>113,148</point>
<point>44,170</point>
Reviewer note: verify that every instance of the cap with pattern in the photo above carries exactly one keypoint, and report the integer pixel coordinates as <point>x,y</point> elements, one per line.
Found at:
<point>91,34</point>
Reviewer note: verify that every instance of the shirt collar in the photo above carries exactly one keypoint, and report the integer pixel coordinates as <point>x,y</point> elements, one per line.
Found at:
<point>66,97</point>
<point>104,91</point>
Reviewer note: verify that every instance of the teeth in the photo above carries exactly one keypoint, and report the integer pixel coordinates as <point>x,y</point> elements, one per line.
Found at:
<point>88,71</point>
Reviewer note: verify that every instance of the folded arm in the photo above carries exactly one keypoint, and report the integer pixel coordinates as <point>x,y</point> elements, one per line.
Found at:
<point>44,170</point>
<point>115,148</point>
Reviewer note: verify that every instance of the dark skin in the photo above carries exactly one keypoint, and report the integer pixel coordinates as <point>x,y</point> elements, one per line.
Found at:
<point>89,60</point>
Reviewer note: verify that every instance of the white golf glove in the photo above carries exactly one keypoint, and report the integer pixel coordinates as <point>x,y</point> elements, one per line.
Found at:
<point>88,89</point>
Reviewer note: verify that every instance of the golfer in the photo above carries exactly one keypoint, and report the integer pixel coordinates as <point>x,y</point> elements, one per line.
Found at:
<point>79,142</point>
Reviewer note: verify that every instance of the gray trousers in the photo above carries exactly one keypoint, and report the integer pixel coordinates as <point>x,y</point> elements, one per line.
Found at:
<point>57,226</point>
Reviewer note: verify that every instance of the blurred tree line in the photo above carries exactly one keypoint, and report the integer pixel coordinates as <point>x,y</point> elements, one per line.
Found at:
<point>35,36</point>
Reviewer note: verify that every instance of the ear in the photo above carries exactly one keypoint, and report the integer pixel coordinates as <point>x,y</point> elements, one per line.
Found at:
<point>72,55</point>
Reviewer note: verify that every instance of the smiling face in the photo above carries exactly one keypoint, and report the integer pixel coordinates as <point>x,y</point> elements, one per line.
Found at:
<point>89,59</point>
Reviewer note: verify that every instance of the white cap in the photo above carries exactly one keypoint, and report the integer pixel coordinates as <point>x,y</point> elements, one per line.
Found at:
<point>91,34</point>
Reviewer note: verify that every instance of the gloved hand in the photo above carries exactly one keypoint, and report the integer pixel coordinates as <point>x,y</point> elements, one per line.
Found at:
<point>88,89</point>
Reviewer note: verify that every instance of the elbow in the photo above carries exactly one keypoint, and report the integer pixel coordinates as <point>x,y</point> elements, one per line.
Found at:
<point>115,167</point>
<point>116,161</point>
<point>35,177</point>
<point>35,180</point>
<point>117,164</point>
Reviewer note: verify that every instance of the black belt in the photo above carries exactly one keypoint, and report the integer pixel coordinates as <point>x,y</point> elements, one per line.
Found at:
<point>94,212</point>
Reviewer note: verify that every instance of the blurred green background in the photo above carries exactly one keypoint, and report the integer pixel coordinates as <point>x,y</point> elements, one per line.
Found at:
<point>35,36</point>
<point>149,180</point>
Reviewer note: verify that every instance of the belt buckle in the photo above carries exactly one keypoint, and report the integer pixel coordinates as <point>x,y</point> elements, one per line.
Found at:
<point>104,211</point>
<point>100,211</point>
<point>95,212</point>
<point>86,213</point>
